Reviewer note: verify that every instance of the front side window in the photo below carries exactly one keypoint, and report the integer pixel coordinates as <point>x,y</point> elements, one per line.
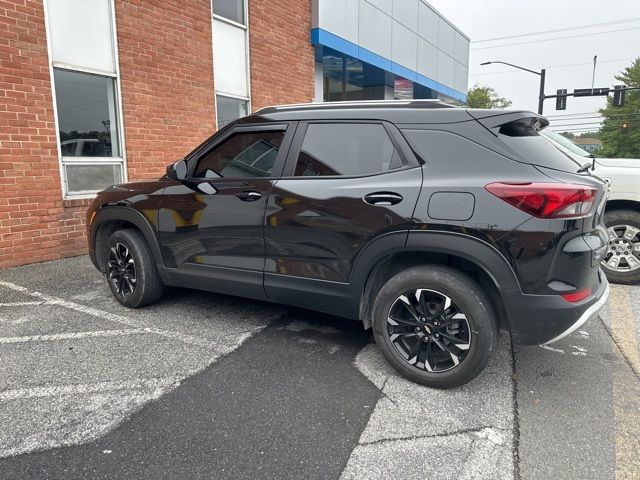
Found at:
<point>242,155</point>
<point>346,149</point>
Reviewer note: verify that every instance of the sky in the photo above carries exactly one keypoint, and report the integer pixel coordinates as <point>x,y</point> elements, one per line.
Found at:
<point>569,61</point>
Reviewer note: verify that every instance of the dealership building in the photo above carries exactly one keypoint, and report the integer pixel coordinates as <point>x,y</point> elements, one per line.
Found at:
<point>97,92</point>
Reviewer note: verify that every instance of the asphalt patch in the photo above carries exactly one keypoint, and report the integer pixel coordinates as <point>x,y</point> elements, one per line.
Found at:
<point>288,403</point>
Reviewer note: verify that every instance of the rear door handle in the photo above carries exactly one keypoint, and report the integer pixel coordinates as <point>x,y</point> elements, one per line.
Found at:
<point>249,196</point>
<point>383,198</point>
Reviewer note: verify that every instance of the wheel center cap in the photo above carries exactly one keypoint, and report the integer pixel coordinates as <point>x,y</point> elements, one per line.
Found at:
<point>427,330</point>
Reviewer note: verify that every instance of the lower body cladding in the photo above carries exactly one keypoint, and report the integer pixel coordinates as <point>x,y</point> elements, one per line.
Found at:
<point>544,319</point>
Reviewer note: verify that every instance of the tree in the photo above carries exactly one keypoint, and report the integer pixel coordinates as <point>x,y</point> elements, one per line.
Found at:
<point>593,134</point>
<point>620,131</point>
<point>569,135</point>
<point>485,97</point>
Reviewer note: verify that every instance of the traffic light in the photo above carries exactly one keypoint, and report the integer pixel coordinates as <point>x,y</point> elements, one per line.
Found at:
<point>618,95</point>
<point>561,99</point>
<point>624,128</point>
<point>590,92</point>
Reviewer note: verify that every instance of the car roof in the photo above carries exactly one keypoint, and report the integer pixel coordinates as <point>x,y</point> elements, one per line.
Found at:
<point>397,111</point>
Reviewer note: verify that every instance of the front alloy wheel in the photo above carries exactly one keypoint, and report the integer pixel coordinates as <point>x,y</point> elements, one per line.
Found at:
<point>121,270</point>
<point>623,255</point>
<point>429,330</point>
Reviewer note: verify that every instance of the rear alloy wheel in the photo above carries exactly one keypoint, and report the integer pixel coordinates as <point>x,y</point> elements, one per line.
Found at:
<point>429,330</point>
<point>435,325</point>
<point>622,261</point>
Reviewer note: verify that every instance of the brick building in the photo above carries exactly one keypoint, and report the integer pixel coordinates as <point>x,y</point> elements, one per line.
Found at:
<point>96,92</point>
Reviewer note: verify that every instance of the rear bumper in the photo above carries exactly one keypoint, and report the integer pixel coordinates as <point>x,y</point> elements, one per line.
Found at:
<point>586,315</point>
<point>543,319</point>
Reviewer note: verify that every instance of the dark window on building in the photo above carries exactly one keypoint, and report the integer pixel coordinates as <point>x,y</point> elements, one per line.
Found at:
<point>333,74</point>
<point>347,78</point>
<point>229,109</point>
<point>230,9</point>
<point>346,149</point>
<point>86,114</point>
<point>343,77</point>
<point>243,155</point>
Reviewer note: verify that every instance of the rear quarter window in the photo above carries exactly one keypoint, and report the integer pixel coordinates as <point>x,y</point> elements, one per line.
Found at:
<point>534,149</point>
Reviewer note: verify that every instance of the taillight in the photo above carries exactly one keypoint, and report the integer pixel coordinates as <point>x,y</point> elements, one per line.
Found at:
<point>547,200</point>
<point>577,296</point>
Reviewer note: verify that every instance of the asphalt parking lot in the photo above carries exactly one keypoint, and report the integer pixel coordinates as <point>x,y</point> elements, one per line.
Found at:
<point>209,386</point>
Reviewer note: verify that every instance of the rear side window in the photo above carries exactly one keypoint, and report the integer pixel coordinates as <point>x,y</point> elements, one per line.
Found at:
<point>535,149</point>
<point>346,149</point>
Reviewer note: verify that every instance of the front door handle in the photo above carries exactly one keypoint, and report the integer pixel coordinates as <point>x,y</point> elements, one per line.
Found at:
<point>249,196</point>
<point>383,198</point>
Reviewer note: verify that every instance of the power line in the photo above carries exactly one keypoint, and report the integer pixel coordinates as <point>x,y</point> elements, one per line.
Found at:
<point>555,119</point>
<point>577,27</point>
<point>591,113</point>
<point>574,130</point>
<point>570,114</point>
<point>575,124</point>
<point>571,118</point>
<point>557,38</point>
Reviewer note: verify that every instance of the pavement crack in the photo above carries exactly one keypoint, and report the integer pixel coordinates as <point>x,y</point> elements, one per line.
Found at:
<point>462,431</point>
<point>384,395</point>
<point>620,349</point>
<point>516,418</point>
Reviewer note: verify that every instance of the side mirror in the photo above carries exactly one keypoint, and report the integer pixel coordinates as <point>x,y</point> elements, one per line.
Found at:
<point>177,170</point>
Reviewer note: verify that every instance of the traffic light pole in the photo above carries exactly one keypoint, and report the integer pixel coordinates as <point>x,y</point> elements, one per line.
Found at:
<point>591,92</point>
<point>541,97</point>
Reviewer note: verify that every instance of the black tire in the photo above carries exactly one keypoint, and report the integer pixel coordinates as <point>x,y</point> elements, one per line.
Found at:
<point>148,286</point>
<point>614,218</point>
<point>467,297</point>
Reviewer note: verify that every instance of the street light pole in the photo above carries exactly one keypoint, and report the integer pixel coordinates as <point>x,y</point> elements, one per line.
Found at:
<point>542,74</point>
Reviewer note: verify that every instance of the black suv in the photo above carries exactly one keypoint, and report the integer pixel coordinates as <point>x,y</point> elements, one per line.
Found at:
<point>435,226</point>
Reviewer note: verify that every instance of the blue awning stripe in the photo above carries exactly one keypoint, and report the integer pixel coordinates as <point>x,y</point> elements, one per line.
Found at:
<point>328,39</point>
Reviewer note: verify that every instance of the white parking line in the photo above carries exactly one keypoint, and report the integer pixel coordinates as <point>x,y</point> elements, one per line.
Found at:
<point>75,335</point>
<point>85,388</point>
<point>20,304</point>
<point>113,317</point>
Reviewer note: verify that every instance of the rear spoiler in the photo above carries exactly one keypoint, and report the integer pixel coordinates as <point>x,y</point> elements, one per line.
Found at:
<point>494,120</point>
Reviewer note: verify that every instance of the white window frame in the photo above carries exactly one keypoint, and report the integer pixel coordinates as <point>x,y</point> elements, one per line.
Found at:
<point>62,161</point>
<point>244,27</point>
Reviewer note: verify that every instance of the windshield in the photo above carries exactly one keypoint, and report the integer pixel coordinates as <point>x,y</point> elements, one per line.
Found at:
<point>564,142</point>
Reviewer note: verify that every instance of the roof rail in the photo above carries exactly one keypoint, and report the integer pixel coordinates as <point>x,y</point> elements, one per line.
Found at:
<point>425,103</point>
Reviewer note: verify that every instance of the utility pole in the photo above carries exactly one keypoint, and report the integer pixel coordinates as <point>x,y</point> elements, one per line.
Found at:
<point>593,77</point>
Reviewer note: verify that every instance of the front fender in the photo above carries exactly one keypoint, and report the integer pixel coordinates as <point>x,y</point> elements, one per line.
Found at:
<point>142,222</point>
